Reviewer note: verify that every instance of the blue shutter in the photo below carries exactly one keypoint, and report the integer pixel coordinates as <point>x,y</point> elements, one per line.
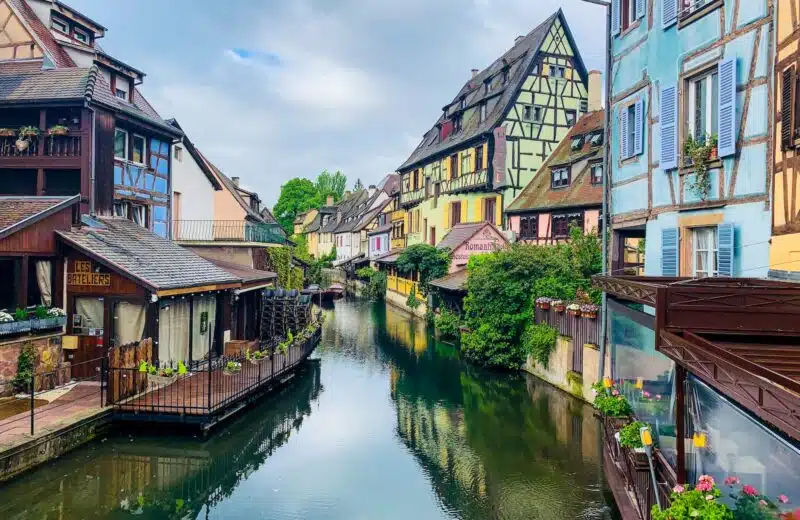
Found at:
<point>670,240</point>
<point>638,132</point>
<point>668,121</point>
<point>640,9</point>
<point>669,13</point>
<point>725,249</point>
<point>615,17</point>
<point>727,107</point>
<point>623,133</point>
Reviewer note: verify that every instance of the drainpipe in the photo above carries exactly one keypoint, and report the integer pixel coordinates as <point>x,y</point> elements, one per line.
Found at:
<point>606,186</point>
<point>92,188</point>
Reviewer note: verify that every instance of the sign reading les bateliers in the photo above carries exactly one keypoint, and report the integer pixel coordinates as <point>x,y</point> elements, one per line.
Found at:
<point>84,275</point>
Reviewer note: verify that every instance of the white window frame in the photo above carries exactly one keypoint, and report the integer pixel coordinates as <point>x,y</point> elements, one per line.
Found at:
<point>711,269</point>
<point>593,169</point>
<point>144,150</point>
<point>124,92</point>
<point>560,178</point>
<point>711,100</point>
<point>178,153</point>
<point>124,209</point>
<point>483,112</point>
<point>125,158</point>
<point>55,22</point>
<point>77,31</point>
<point>142,209</point>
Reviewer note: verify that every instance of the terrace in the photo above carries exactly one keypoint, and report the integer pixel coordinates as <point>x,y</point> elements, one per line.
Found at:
<point>470,181</point>
<point>232,232</point>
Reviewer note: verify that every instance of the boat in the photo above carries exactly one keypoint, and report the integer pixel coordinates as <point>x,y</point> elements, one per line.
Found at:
<point>334,292</point>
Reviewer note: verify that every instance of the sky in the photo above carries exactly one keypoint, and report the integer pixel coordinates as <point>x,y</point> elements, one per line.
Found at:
<point>275,89</point>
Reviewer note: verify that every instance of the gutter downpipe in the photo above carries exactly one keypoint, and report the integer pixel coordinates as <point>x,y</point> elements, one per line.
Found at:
<point>93,187</point>
<point>606,186</point>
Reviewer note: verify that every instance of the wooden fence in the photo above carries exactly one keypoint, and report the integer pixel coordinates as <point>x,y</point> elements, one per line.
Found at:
<point>582,330</point>
<point>127,357</point>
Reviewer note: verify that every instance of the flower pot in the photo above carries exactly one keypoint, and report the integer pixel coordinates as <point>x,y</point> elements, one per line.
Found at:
<point>7,132</point>
<point>589,314</point>
<point>22,145</point>
<point>573,312</point>
<point>15,327</point>
<point>714,154</point>
<point>155,380</point>
<point>49,323</point>
<point>559,308</point>
<point>227,372</point>
<point>59,131</point>
<point>544,306</point>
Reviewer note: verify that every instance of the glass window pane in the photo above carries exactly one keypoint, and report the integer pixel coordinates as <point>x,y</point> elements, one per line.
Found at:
<point>153,161</point>
<point>138,149</point>
<point>88,316</point>
<point>117,174</point>
<point>160,212</point>
<point>120,138</point>
<point>160,185</point>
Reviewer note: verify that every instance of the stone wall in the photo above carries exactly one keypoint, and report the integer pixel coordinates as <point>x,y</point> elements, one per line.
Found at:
<point>399,301</point>
<point>48,356</point>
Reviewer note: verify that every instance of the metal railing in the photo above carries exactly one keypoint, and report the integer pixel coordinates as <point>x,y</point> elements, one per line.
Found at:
<point>226,231</point>
<point>207,390</point>
<point>465,182</point>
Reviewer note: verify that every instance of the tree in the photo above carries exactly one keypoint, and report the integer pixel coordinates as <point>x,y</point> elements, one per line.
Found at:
<point>331,184</point>
<point>358,186</point>
<point>297,196</point>
<point>429,262</point>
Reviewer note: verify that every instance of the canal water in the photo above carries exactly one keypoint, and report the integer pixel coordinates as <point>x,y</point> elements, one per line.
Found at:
<point>384,422</point>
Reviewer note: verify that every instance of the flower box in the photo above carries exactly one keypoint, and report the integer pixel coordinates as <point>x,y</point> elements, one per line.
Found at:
<point>15,327</point>
<point>55,322</point>
<point>559,306</point>
<point>156,380</point>
<point>7,132</point>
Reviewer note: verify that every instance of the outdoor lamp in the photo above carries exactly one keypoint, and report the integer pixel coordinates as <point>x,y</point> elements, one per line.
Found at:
<point>647,441</point>
<point>639,383</point>
<point>646,436</point>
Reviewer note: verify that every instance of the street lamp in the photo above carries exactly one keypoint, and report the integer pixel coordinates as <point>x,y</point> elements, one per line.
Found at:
<point>606,173</point>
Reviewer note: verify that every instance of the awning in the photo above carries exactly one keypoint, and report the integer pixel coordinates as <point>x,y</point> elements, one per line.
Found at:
<point>347,261</point>
<point>453,282</point>
<point>252,279</point>
<point>390,257</point>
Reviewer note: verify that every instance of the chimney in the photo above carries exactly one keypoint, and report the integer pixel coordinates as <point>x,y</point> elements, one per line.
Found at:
<point>518,38</point>
<point>595,90</point>
<point>329,202</point>
<point>235,181</point>
<point>475,72</point>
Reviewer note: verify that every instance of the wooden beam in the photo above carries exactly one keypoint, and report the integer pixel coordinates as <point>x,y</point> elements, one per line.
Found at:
<point>41,188</point>
<point>202,288</point>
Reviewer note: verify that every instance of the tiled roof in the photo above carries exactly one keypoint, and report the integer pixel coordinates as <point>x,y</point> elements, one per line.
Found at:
<point>456,281</point>
<point>347,207</point>
<point>386,228</point>
<point>498,99</point>
<point>539,194</point>
<point>18,212</point>
<point>139,109</point>
<point>155,262</point>
<point>390,257</point>
<point>50,84</point>
<point>42,34</point>
<point>369,217</point>
<point>460,233</point>
<point>21,66</point>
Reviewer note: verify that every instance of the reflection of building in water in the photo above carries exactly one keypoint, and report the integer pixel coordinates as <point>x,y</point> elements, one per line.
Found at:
<point>156,477</point>
<point>411,333</point>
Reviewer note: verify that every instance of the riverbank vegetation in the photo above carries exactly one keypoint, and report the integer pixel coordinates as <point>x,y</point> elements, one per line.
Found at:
<point>374,283</point>
<point>501,290</point>
<point>427,261</point>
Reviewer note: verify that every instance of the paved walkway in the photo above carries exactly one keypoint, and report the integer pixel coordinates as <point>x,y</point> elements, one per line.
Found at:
<point>79,403</point>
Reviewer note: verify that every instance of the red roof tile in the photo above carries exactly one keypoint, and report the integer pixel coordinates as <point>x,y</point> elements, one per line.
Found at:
<point>15,210</point>
<point>42,34</point>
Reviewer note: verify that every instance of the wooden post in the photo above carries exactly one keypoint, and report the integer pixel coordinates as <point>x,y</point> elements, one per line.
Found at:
<point>41,188</point>
<point>42,130</point>
<point>22,290</point>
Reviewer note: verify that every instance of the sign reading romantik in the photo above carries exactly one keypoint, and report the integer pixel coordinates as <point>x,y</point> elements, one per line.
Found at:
<point>84,275</point>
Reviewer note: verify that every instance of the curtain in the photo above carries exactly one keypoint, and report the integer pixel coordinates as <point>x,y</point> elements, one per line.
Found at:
<point>204,317</point>
<point>44,278</point>
<point>129,320</point>
<point>90,311</point>
<point>173,330</point>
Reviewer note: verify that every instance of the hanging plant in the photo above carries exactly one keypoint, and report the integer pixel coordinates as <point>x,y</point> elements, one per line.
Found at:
<point>27,132</point>
<point>701,152</point>
<point>7,132</point>
<point>58,130</point>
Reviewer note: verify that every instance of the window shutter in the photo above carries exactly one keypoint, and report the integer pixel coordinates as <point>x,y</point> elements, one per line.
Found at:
<point>638,132</point>
<point>498,210</point>
<point>448,210</point>
<point>727,107</point>
<point>669,13</point>
<point>725,249</point>
<point>623,129</point>
<point>640,9</point>
<point>615,17</point>
<point>786,108</point>
<point>669,129</point>
<point>670,241</point>
<point>480,208</point>
<point>464,205</point>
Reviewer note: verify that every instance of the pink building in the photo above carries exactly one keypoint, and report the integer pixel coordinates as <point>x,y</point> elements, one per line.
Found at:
<point>465,240</point>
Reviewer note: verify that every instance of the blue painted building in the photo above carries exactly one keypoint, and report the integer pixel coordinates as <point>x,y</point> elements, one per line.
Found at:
<point>700,70</point>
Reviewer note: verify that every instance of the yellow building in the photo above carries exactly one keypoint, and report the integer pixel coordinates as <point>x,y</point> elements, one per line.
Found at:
<point>492,138</point>
<point>785,248</point>
<point>303,220</point>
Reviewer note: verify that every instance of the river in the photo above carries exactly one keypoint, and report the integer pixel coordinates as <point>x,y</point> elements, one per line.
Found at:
<point>384,422</point>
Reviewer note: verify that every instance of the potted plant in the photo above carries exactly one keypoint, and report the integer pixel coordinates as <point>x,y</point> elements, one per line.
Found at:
<point>543,302</point>
<point>47,319</point>
<point>7,132</point>
<point>629,437</point>
<point>698,153</point>
<point>232,367</point>
<point>573,309</point>
<point>25,134</point>
<point>157,376</point>
<point>700,502</point>
<point>589,310</point>
<point>58,130</point>
<point>9,325</point>
<point>558,305</point>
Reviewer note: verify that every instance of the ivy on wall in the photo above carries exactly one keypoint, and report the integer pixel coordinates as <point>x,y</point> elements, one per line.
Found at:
<point>279,260</point>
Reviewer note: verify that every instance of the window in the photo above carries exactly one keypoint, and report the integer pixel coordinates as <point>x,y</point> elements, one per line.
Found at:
<point>690,7</point>
<point>570,115</point>
<point>597,173</point>
<point>489,209</point>
<point>532,113</point>
<point>120,144</point>
<point>597,138</point>
<point>160,224</point>
<point>529,227</point>
<point>81,35</point>
<point>584,105</point>
<point>60,25</point>
<point>562,222</point>
<point>121,93</point>
<point>455,213</point>
<point>139,214</point>
<point>138,155</point>
<point>557,71</point>
<point>560,177</point>
<point>483,112</point>
<point>179,154</point>
<point>479,158</point>
<point>577,143</point>
<point>704,252</point>
<point>457,123</point>
<point>465,166</point>
<point>702,110</point>
<point>453,166</point>
<point>122,209</point>
<point>462,103</point>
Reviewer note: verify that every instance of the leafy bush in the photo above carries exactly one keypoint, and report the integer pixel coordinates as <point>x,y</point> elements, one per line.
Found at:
<point>375,288</point>
<point>40,312</point>
<point>700,502</point>
<point>448,323</point>
<point>413,302</point>
<point>20,315</point>
<point>629,436</point>
<point>430,262</point>
<point>487,346</point>
<point>609,401</point>
<point>539,341</point>
<point>25,367</point>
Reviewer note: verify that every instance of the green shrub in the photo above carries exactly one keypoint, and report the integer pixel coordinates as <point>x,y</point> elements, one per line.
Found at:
<point>448,323</point>
<point>40,312</point>
<point>20,315</point>
<point>693,503</point>
<point>613,405</point>
<point>413,302</point>
<point>375,288</point>
<point>539,341</point>
<point>629,436</point>
<point>431,263</point>
<point>25,367</point>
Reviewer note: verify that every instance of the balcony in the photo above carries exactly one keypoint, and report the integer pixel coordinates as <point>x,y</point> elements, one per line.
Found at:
<point>44,151</point>
<point>412,197</point>
<point>470,181</point>
<point>226,232</point>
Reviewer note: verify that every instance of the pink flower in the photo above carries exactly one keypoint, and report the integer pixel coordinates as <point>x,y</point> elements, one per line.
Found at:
<point>658,397</point>
<point>678,489</point>
<point>646,394</point>
<point>749,490</point>
<point>731,481</point>
<point>783,499</point>
<point>614,392</point>
<point>705,483</point>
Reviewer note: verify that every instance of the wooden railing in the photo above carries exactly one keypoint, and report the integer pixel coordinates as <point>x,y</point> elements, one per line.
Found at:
<point>582,330</point>
<point>465,182</point>
<point>398,243</point>
<point>411,197</point>
<point>401,285</point>
<point>69,145</point>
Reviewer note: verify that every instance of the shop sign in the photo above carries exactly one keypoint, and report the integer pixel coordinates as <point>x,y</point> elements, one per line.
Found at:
<point>85,276</point>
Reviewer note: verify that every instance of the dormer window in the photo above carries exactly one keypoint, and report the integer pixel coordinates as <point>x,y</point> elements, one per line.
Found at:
<point>81,35</point>
<point>121,93</point>
<point>462,103</point>
<point>597,138</point>
<point>577,143</point>
<point>560,177</point>
<point>60,25</point>
<point>483,111</point>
